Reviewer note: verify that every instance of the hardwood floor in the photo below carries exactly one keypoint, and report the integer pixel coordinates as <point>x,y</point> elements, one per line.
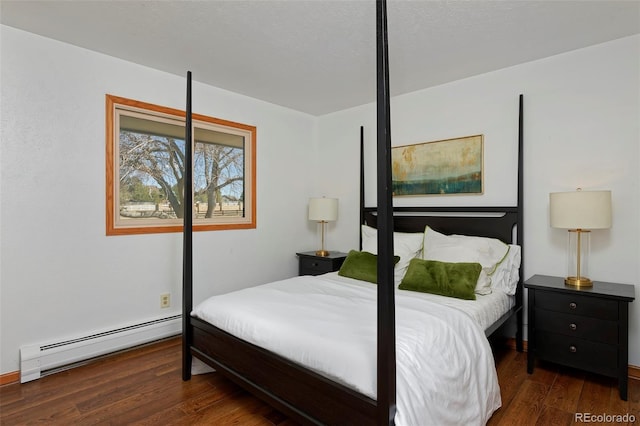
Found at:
<point>144,387</point>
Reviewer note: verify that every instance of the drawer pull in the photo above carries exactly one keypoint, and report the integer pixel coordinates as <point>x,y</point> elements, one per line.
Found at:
<point>573,349</point>
<point>573,327</point>
<point>314,264</point>
<point>573,305</point>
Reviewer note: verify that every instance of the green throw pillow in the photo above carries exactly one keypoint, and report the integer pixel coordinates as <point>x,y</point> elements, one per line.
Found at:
<point>362,265</point>
<point>443,278</point>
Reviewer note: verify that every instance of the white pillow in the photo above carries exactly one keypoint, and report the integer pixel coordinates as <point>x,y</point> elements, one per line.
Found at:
<point>507,273</point>
<point>406,245</point>
<point>488,252</point>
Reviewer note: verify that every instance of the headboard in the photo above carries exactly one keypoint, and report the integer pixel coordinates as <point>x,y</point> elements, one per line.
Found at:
<point>494,222</point>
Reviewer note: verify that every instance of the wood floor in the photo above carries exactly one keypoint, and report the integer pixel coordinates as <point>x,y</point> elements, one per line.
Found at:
<point>144,387</point>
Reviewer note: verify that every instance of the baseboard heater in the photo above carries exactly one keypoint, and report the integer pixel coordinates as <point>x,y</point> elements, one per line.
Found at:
<point>39,360</point>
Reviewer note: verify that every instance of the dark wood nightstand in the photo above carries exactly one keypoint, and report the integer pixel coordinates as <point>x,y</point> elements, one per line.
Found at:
<point>310,264</point>
<point>585,328</point>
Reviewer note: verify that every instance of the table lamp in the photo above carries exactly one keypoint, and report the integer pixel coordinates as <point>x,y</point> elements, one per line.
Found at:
<point>323,210</point>
<point>579,212</point>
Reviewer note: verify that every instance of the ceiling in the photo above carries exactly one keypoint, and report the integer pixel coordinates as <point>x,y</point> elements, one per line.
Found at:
<point>319,56</point>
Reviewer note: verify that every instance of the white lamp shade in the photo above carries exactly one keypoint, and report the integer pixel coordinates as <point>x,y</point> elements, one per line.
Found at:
<point>323,209</point>
<point>580,209</point>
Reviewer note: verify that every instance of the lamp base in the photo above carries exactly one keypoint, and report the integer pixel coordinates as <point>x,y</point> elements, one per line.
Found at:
<point>322,253</point>
<point>580,282</point>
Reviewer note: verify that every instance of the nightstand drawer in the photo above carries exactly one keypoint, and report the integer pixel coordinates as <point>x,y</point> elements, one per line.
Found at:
<point>577,326</point>
<point>311,266</point>
<point>576,304</point>
<point>578,353</point>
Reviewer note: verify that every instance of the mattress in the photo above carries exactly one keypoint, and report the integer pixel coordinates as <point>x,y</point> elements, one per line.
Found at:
<point>444,366</point>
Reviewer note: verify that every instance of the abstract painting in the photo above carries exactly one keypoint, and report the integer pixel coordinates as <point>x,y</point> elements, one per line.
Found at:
<point>451,166</point>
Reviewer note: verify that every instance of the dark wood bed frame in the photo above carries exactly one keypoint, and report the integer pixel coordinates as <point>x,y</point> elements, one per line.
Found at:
<point>298,392</point>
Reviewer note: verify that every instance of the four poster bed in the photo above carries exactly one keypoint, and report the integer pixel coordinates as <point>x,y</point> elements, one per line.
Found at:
<point>323,349</point>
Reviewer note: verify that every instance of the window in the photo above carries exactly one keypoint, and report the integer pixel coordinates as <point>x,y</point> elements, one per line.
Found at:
<point>145,167</point>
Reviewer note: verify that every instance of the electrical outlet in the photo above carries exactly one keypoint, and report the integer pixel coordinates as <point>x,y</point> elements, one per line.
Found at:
<point>165,300</point>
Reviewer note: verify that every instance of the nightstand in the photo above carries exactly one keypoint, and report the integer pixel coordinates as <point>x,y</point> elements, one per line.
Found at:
<point>584,328</point>
<point>310,264</point>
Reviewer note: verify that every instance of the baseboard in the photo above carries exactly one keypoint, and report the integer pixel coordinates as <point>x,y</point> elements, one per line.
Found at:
<point>634,371</point>
<point>8,378</point>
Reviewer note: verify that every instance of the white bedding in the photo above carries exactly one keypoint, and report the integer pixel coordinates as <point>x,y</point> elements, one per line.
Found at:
<point>445,369</point>
<point>484,311</point>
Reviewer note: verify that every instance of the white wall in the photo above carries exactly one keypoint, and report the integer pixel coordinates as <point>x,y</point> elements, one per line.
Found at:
<point>581,129</point>
<point>60,275</point>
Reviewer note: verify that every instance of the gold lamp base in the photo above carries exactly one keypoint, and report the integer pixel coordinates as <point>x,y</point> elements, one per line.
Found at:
<point>580,282</point>
<point>322,253</point>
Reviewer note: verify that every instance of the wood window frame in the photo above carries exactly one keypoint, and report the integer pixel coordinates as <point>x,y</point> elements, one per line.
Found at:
<point>112,171</point>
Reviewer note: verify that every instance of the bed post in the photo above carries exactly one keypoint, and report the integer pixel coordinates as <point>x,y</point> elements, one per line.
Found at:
<point>361,184</point>
<point>187,245</point>
<point>386,392</point>
<point>520,235</point>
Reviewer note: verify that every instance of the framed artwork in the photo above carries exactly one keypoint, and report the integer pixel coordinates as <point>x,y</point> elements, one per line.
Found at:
<point>451,166</point>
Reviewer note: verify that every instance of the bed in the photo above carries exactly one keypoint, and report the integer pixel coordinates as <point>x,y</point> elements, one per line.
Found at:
<point>308,356</point>
<point>369,386</point>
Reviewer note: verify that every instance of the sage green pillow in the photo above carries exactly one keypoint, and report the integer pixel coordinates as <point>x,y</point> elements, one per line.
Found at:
<point>362,265</point>
<point>443,278</point>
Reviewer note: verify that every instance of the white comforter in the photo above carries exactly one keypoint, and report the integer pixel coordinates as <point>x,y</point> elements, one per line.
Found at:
<point>445,369</point>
